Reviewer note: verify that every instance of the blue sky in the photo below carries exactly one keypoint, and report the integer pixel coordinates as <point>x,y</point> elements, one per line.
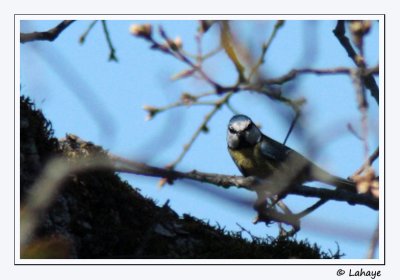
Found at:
<point>84,94</point>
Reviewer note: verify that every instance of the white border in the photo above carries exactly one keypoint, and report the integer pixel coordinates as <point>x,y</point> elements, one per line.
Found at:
<point>382,179</point>
<point>200,16</point>
<point>17,135</point>
<point>381,259</point>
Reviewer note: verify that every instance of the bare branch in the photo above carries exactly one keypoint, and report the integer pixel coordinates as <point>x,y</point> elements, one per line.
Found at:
<point>186,100</point>
<point>374,243</point>
<point>173,48</point>
<point>267,215</point>
<point>202,127</point>
<point>370,83</point>
<point>82,38</point>
<point>330,71</point>
<point>57,170</point>
<point>368,163</point>
<point>264,49</point>
<point>112,55</point>
<point>49,35</point>
<point>311,208</point>
<point>338,195</point>
<point>229,47</point>
<point>249,183</point>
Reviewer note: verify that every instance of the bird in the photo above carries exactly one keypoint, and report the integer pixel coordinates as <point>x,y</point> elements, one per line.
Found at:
<point>256,154</point>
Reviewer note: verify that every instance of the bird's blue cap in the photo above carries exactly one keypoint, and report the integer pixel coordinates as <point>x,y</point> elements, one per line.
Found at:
<point>239,118</point>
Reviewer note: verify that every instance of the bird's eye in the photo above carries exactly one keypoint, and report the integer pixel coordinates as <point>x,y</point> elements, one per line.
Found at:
<point>248,126</point>
<point>231,130</point>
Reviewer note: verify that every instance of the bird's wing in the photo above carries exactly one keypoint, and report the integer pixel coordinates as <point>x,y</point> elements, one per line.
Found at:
<point>274,150</point>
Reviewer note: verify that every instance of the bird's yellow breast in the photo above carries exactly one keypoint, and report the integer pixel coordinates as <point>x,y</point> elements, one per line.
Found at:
<point>251,162</point>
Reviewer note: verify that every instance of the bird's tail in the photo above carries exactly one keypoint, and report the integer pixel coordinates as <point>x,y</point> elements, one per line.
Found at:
<point>324,177</point>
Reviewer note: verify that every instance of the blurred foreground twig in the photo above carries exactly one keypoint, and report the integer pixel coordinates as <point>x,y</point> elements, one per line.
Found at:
<point>49,35</point>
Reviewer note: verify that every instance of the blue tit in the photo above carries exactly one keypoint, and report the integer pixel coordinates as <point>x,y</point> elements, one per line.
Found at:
<point>256,154</point>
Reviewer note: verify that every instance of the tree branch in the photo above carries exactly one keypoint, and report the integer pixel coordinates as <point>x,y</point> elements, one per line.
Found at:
<point>332,71</point>
<point>264,48</point>
<point>49,35</point>
<point>201,128</point>
<point>112,55</point>
<point>249,183</point>
<point>82,38</point>
<point>368,79</point>
<point>338,195</point>
<point>368,163</point>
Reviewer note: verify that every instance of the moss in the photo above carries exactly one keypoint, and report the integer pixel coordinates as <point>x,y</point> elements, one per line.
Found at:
<point>34,125</point>
<point>37,143</point>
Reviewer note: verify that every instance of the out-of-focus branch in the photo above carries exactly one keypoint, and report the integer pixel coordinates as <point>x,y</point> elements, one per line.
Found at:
<point>49,35</point>
<point>311,208</point>
<point>268,215</point>
<point>369,81</point>
<point>228,45</point>
<point>287,217</point>
<point>265,47</point>
<point>56,171</point>
<point>374,243</point>
<point>338,195</point>
<point>250,183</point>
<point>186,100</point>
<point>366,182</point>
<point>171,47</point>
<point>368,163</point>
<point>332,71</point>
<point>362,78</point>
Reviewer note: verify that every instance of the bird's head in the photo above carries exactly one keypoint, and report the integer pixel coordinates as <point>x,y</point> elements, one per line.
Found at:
<point>242,132</point>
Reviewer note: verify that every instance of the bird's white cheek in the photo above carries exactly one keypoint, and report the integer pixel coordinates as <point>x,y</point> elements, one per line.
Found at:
<point>233,141</point>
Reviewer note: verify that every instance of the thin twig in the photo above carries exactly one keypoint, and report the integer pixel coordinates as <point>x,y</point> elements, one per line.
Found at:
<point>229,47</point>
<point>374,243</point>
<point>329,71</point>
<point>199,38</point>
<point>287,211</point>
<point>49,35</point>
<point>295,119</point>
<point>82,38</point>
<point>202,127</point>
<point>265,48</point>
<point>175,51</point>
<point>363,107</point>
<point>112,55</point>
<point>233,110</point>
<point>311,208</point>
<point>200,57</point>
<point>155,110</point>
<point>354,132</point>
<point>369,162</point>
<point>284,207</point>
<point>211,53</point>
